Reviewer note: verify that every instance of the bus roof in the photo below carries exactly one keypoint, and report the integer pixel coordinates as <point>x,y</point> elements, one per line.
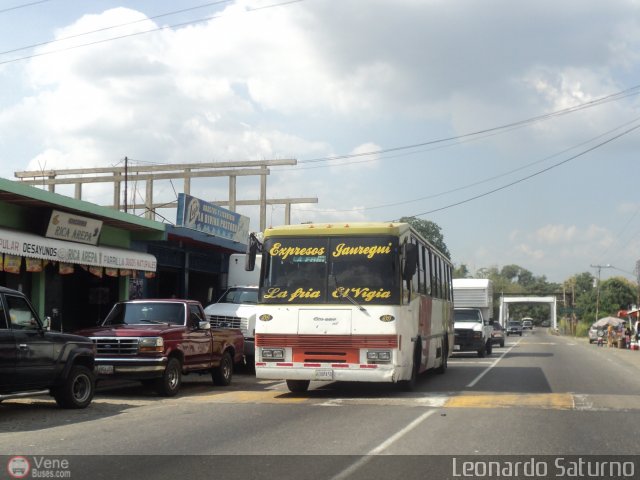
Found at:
<point>345,228</point>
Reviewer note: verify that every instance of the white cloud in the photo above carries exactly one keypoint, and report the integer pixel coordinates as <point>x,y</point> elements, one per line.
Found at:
<point>556,234</point>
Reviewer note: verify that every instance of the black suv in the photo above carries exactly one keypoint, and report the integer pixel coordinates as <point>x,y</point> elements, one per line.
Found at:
<point>34,360</point>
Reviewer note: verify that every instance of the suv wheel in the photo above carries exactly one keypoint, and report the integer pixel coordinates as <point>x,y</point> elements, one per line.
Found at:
<point>77,390</point>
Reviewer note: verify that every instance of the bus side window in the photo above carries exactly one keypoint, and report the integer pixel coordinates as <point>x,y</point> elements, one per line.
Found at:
<point>423,273</point>
<point>438,289</point>
<point>427,270</point>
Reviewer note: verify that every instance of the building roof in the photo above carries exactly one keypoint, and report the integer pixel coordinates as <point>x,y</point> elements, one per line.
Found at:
<point>196,237</point>
<point>25,195</point>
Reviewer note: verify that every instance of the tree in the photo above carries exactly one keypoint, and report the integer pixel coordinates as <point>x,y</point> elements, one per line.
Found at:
<point>430,231</point>
<point>461,271</point>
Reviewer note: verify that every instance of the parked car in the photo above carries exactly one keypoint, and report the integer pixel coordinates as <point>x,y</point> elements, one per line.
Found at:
<point>527,323</point>
<point>159,341</point>
<point>36,361</point>
<point>497,335</point>
<point>514,328</point>
<point>596,332</point>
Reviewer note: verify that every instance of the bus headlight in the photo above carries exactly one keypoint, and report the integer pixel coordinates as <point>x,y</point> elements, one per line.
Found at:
<point>379,355</point>
<point>272,354</point>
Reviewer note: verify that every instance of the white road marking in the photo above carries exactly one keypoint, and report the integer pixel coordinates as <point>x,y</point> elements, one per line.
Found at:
<point>484,372</point>
<point>346,473</point>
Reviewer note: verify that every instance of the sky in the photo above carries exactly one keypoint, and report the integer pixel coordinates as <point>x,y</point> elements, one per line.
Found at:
<point>514,126</point>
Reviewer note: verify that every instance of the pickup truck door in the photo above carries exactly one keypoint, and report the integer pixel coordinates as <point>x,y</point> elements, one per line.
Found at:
<point>197,342</point>
<point>7,352</point>
<point>35,359</point>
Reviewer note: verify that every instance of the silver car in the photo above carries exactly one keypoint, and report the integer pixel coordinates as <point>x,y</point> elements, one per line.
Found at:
<point>596,332</point>
<point>514,328</point>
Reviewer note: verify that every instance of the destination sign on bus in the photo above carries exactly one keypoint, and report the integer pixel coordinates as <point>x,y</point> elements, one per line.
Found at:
<point>340,250</point>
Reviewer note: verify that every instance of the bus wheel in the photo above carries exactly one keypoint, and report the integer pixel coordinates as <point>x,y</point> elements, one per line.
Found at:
<point>298,386</point>
<point>445,358</point>
<point>410,385</point>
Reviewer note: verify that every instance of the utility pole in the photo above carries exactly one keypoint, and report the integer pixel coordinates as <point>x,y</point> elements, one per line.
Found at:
<point>599,267</point>
<point>126,174</point>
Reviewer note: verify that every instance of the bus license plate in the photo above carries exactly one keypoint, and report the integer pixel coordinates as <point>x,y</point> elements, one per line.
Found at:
<point>456,347</point>
<point>104,369</point>
<point>324,374</point>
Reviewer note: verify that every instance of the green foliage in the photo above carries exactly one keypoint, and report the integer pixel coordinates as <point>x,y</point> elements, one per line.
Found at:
<point>577,295</point>
<point>582,329</point>
<point>430,231</point>
<point>461,271</point>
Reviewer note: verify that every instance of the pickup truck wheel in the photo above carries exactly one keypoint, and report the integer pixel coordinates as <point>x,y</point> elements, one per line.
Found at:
<point>482,352</point>
<point>298,386</point>
<point>169,384</point>
<point>223,373</point>
<point>489,347</point>
<point>77,390</point>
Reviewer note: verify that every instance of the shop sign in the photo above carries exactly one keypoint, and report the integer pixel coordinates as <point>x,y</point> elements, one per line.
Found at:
<point>74,228</point>
<point>209,218</point>
<point>32,246</point>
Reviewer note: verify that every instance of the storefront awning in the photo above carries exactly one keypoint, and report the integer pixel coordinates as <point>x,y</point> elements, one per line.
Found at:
<point>33,246</point>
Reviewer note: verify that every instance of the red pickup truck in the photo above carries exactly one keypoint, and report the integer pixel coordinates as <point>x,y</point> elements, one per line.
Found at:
<point>158,341</point>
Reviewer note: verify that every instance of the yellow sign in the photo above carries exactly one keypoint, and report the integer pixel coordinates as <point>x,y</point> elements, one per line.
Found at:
<point>284,252</point>
<point>358,293</point>
<point>368,251</point>
<point>299,293</point>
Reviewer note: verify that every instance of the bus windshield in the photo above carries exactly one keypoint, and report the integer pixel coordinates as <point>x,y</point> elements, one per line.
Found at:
<point>330,269</point>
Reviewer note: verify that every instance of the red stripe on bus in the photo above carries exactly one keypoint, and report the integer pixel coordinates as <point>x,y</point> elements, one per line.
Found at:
<point>327,341</point>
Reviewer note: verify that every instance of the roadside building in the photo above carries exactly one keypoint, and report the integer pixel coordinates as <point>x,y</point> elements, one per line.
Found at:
<point>75,259</point>
<point>72,258</point>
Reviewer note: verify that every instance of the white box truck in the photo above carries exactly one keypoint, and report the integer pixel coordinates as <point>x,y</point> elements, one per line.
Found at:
<point>473,309</point>
<point>236,307</point>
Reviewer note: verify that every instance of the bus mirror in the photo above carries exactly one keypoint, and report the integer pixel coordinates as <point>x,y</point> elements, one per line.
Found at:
<point>252,250</point>
<point>250,261</point>
<point>410,261</point>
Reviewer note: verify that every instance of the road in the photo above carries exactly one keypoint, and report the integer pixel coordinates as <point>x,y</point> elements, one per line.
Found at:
<point>541,395</point>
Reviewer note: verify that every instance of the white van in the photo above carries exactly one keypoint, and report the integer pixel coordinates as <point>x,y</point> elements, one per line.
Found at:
<point>236,307</point>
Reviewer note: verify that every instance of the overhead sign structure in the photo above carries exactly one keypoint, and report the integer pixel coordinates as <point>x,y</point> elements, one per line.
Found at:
<point>74,228</point>
<point>209,218</point>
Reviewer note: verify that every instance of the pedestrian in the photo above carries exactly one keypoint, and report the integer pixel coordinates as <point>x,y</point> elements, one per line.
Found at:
<point>627,337</point>
<point>610,335</point>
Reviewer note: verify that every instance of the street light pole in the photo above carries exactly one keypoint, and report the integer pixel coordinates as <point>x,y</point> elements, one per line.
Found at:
<point>599,267</point>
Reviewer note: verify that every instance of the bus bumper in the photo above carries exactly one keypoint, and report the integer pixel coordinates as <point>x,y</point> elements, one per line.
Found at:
<point>355,373</point>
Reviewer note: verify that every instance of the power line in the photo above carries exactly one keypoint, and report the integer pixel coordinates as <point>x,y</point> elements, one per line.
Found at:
<point>486,180</point>
<point>129,35</point>
<point>176,12</point>
<point>528,177</point>
<point>24,5</point>
<point>635,90</point>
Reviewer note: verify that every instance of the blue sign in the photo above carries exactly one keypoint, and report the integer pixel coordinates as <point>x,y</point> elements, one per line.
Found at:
<point>211,219</point>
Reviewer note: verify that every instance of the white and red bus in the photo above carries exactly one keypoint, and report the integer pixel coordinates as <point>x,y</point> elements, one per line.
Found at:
<point>370,302</point>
